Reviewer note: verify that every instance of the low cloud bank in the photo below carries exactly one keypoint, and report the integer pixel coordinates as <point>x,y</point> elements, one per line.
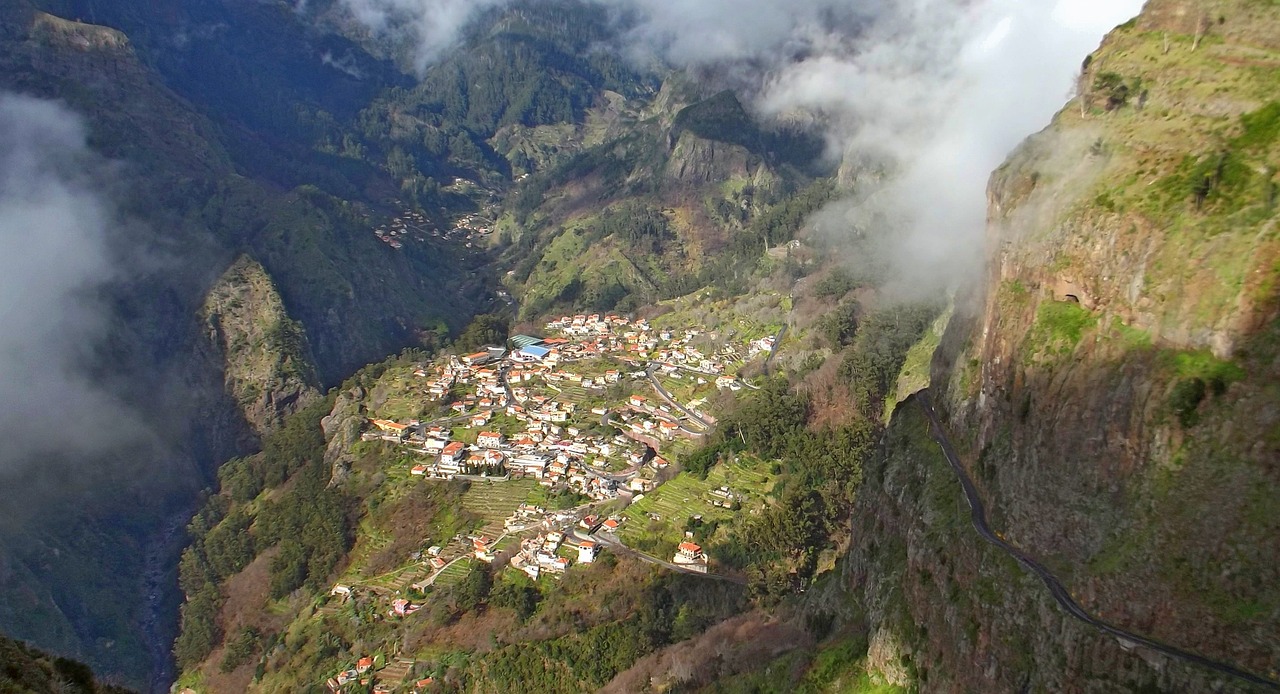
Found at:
<point>926,96</point>
<point>55,261</point>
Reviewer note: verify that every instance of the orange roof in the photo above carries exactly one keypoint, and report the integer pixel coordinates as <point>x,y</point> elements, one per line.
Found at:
<point>364,662</point>
<point>453,448</point>
<point>477,355</point>
<point>490,434</point>
<point>611,523</point>
<point>690,547</point>
<point>588,544</point>
<point>388,424</point>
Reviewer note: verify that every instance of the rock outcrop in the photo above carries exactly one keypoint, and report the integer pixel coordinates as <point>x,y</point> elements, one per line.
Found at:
<point>266,359</point>
<point>1112,381</point>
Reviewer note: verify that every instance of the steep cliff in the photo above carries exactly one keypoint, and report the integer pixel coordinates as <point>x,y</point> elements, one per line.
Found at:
<point>1112,383</point>
<point>267,362</point>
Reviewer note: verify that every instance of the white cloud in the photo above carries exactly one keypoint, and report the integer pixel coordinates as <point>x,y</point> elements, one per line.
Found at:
<point>939,92</point>
<point>431,26</point>
<point>54,262</point>
<point>935,91</point>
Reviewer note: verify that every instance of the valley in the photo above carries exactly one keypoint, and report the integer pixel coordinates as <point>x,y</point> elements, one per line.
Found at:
<point>641,348</point>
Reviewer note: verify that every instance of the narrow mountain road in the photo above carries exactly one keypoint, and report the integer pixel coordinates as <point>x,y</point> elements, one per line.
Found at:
<point>777,340</point>
<point>978,514</point>
<point>657,385</point>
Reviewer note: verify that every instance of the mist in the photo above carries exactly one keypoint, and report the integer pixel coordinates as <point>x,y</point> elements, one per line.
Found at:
<point>55,224</point>
<point>930,100</point>
<point>429,26</point>
<point>920,99</point>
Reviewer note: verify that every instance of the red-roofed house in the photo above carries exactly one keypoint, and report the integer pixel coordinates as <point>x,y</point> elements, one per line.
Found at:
<point>489,439</point>
<point>453,452</point>
<point>690,550</point>
<point>389,426</point>
<point>691,557</point>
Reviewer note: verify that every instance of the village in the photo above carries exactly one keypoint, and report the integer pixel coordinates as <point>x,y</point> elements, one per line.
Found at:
<point>412,226</point>
<point>586,414</point>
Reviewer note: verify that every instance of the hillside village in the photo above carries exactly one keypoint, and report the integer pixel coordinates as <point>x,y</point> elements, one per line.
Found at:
<point>411,225</point>
<point>588,414</point>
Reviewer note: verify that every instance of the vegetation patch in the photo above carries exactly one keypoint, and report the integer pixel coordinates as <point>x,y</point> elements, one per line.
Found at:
<point>1059,327</point>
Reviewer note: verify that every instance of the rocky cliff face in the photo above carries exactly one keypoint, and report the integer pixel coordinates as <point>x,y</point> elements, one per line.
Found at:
<point>697,161</point>
<point>267,362</point>
<point>1113,383</point>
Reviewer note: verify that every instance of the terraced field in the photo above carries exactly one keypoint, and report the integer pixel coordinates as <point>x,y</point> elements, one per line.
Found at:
<point>686,496</point>
<point>402,395</point>
<point>454,573</point>
<point>399,579</point>
<point>496,501</point>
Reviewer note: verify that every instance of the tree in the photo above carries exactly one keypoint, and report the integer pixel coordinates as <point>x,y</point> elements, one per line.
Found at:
<point>485,329</point>
<point>1112,87</point>
<point>473,591</point>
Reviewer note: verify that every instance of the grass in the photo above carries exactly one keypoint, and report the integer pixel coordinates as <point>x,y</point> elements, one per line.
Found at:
<point>914,375</point>
<point>1202,364</point>
<point>494,502</point>
<point>454,573</point>
<point>840,666</point>
<point>1059,327</point>
<point>684,496</point>
<point>1132,338</point>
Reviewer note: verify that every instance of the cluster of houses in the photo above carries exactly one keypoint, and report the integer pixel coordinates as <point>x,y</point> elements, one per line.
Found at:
<point>549,447</point>
<point>470,228</point>
<point>405,225</point>
<point>366,671</point>
<point>540,555</point>
<point>674,351</point>
<point>340,680</point>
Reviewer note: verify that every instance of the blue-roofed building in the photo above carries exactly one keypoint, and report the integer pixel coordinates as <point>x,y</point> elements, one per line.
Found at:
<point>535,351</point>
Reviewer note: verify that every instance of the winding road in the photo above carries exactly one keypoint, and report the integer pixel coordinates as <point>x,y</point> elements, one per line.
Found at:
<point>978,514</point>
<point>657,385</point>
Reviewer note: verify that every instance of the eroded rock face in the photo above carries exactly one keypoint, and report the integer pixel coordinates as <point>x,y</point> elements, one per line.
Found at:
<point>266,359</point>
<point>699,161</point>
<point>342,429</point>
<point>1111,381</point>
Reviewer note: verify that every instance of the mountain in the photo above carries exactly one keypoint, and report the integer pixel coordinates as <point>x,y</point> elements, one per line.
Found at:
<point>26,669</point>
<point>1110,388</point>
<point>742,461</point>
<point>268,249</point>
<point>684,193</point>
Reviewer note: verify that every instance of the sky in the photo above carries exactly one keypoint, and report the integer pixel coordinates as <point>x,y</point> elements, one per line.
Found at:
<point>934,92</point>
<point>54,261</point>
